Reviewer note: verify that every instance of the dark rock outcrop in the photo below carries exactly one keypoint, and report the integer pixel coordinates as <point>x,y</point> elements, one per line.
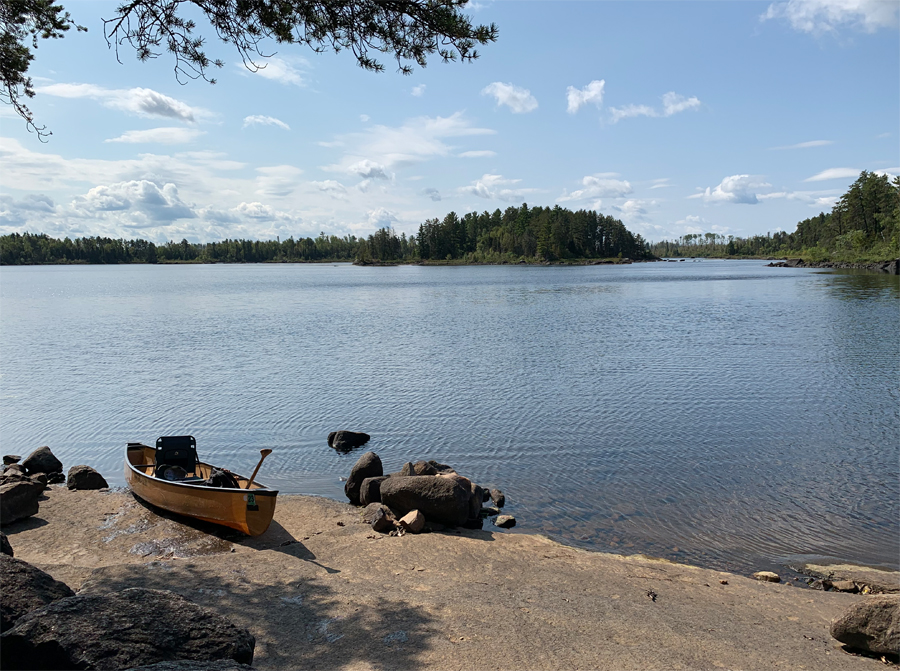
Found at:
<point>18,500</point>
<point>5,547</point>
<point>872,625</point>
<point>132,628</point>
<point>498,497</point>
<point>367,466</point>
<point>441,499</point>
<point>11,459</point>
<point>25,588</point>
<point>344,441</point>
<point>370,490</point>
<point>55,478</point>
<point>184,665</point>
<point>85,477</point>
<point>42,460</point>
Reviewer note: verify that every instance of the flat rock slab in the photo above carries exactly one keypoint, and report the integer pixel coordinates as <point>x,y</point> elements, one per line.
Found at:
<point>320,589</point>
<point>879,581</point>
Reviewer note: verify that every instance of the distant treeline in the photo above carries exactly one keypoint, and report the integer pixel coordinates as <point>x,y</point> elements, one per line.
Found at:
<point>864,225</point>
<point>532,234</point>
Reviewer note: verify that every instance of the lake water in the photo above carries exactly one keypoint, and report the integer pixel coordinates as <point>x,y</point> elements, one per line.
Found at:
<point>717,412</point>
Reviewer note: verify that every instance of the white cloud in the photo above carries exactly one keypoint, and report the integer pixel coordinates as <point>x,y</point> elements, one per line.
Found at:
<point>417,140</point>
<point>380,218</point>
<point>171,135</point>
<point>518,100</point>
<point>277,181</point>
<point>432,193</point>
<point>140,101</point>
<point>261,120</point>
<point>807,145</point>
<point>673,103</point>
<point>141,203</point>
<point>418,91</point>
<point>734,189</point>
<point>368,170</point>
<point>601,185</point>
<point>890,172</point>
<point>834,173</point>
<point>661,183</point>
<point>331,187</point>
<point>279,70</point>
<point>495,187</point>
<point>592,93</point>
<point>484,153</point>
<point>826,16</point>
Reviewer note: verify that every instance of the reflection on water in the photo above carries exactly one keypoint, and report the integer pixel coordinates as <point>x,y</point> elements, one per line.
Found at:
<point>723,413</point>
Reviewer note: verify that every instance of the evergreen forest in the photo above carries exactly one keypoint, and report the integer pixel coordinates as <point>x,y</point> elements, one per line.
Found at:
<point>864,225</point>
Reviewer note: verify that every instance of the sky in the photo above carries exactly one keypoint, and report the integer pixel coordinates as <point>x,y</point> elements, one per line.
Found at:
<point>738,118</point>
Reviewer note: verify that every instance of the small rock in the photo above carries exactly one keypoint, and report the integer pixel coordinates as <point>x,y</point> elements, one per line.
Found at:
<point>5,547</point>
<point>367,466</point>
<point>845,586</point>
<point>767,576</point>
<point>441,468</point>
<point>408,469</point>
<point>370,490</point>
<point>18,500</point>
<point>14,469</point>
<point>872,625</point>
<point>42,460</point>
<point>505,521</point>
<point>11,459</point>
<point>723,582</point>
<point>498,498</point>
<point>25,588</point>
<point>55,478</point>
<point>383,522</point>
<point>413,521</point>
<point>489,511</point>
<point>85,477</point>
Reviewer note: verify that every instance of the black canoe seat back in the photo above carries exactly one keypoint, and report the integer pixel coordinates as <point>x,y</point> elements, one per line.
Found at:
<point>177,451</point>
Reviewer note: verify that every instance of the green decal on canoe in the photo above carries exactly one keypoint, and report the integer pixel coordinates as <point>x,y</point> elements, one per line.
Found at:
<point>251,502</point>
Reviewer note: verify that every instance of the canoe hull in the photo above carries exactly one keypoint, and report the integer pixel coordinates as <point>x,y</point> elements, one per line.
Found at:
<point>249,511</point>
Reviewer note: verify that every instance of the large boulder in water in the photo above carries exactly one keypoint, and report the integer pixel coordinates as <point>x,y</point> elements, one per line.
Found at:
<point>344,441</point>
<point>872,625</point>
<point>367,466</point>
<point>443,500</point>
<point>42,460</point>
<point>18,500</point>
<point>134,627</point>
<point>24,588</point>
<point>85,477</point>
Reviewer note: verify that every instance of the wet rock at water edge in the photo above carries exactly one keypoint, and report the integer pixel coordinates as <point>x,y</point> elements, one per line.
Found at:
<point>872,625</point>
<point>55,478</point>
<point>85,477</point>
<point>489,511</point>
<point>443,500</point>
<point>413,521</point>
<point>42,460</point>
<point>344,441</point>
<point>370,490</point>
<point>367,466</point>
<point>5,547</point>
<point>11,459</point>
<point>122,630</point>
<point>767,576</point>
<point>845,586</point>
<point>18,500</point>
<point>505,521</point>
<point>25,588</point>
<point>498,497</point>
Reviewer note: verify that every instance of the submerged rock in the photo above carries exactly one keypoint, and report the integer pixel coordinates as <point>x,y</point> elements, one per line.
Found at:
<point>25,588</point>
<point>122,630</point>
<point>344,441</point>
<point>872,625</point>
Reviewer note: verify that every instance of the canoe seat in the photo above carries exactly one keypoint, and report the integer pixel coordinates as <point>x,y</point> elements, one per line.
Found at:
<point>177,451</point>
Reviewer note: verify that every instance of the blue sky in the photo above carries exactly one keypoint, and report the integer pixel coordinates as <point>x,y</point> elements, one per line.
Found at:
<point>676,117</point>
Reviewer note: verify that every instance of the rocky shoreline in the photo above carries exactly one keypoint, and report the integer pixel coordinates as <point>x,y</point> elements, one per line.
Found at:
<point>100,579</point>
<point>890,267</point>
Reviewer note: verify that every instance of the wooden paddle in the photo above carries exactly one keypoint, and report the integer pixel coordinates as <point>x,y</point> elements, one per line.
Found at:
<point>263,454</point>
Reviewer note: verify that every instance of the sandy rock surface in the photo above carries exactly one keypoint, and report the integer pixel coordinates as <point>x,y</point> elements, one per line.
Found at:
<point>320,589</point>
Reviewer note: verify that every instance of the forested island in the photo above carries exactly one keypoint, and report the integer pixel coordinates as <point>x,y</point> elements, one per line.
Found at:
<point>864,225</point>
<point>518,234</point>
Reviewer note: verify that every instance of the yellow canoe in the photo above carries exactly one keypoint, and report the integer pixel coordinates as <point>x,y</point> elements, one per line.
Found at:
<point>246,510</point>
